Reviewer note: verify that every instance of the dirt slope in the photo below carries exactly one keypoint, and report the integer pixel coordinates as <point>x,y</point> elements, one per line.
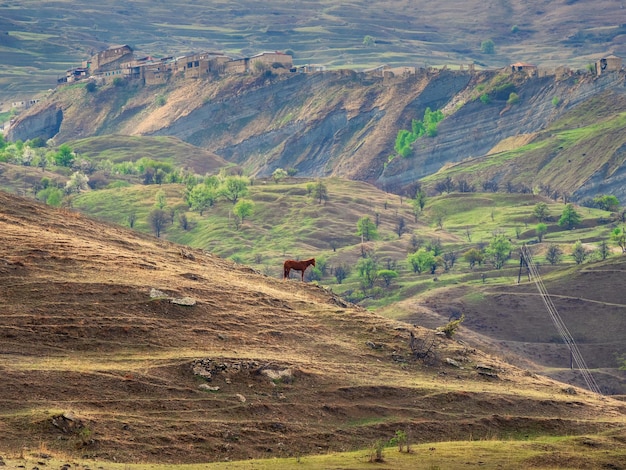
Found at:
<point>97,364</point>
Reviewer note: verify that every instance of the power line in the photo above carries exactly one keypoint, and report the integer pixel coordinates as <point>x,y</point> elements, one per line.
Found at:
<point>533,273</point>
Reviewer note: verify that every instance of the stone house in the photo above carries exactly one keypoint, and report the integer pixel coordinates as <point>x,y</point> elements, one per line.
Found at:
<point>277,62</point>
<point>110,59</point>
<point>610,63</point>
<point>521,67</point>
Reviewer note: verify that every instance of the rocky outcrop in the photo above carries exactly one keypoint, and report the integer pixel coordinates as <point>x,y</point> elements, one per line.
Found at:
<point>44,124</point>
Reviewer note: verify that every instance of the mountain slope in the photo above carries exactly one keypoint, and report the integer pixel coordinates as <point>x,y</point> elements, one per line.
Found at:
<point>96,363</point>
<point>345,124</point>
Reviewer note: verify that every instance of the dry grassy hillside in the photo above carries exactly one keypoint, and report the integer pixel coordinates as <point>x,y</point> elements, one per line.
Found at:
<point>97,364</point>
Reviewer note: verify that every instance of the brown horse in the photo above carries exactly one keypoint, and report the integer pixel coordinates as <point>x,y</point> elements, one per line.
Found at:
<point>297,266</point>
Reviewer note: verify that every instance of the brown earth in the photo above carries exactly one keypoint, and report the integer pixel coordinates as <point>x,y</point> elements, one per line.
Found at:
<point>93,365</point>
<point>588,301</point>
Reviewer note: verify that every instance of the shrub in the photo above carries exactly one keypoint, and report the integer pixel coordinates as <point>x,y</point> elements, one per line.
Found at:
<point>450,329</point>
<point>484,98</point>
<point>513,99</point>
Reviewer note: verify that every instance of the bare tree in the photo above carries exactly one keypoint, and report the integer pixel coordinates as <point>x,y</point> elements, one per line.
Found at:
<point>158,219</point>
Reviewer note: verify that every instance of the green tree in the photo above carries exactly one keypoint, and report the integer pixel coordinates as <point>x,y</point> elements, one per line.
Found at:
<point>422,260</point>
<point>387,275</point>
<point>233,188</point>
<point>569,218</point>
<point>579,252</point>
<point>488,47</point>
<point>160,200</point>
<point>484,98</point>
<point>319,191</point>
<point>366,229</point>
<point>369,41</point>
<point>619,238</point>
<point>606,202</point>
<point>540,211</point>
<point>541,230</point>
<point>367,270</point>
<point>474,256</point>
<point>64,156</point>
<point>201,197</point>
<point>420,199</point>
<point>244,208</point>
<point>499,250</point>
<point>51,196</point>
<point>279,174</point>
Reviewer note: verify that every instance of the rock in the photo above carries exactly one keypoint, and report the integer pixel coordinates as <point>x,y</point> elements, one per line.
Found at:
<point>157,294</point>
<point>186,301</point>
<point>454,363</point>
<point>208,388</point>
<point>241,398</point>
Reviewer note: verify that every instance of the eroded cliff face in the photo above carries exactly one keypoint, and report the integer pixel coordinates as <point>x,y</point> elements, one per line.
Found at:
<point>45,124</point>
<point>324,124</point>
<point>476,128</point>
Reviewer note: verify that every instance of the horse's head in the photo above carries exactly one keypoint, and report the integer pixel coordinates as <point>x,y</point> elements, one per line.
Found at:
<point>313,261</point>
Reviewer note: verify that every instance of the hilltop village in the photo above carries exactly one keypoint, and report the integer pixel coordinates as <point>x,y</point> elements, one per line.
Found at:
<point>120,62</point>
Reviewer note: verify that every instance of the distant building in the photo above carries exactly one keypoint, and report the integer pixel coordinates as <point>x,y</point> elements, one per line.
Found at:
<point>110,59</point>
<point>521,67</point>
<point>610,63</point>
<point>277,62</point>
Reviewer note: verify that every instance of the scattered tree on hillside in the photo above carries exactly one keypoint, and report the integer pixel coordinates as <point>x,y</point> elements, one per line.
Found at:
<point>448,259</point>
<point>320,191</point>
<point>420,199</point>
<point>78,182</point>
<point>579,252</point>
<point>51,196</point>
<point>618,236</point>
<point>369,41</point>
<point>488,47</point>
<point>366,229</point>
<point>422,260</point>
<point>541,230</point>
<point>64,156</point>
<point>387,275</point>
<point>279,174</point>
<point>474,256</point>
<point>158,219</point>
<point>132,218</point>
<point>445,186</point>
<point>499,250</point>
<point>367,269</point>
<point>160,200</point>
<point>569,218</point>
<point>341,272</point>
<point>553,254</point>
<point>604,250</point>
<point>400,226</point>
<point>606,202</point>
<point>244,208</point>
<point>541,211</point>
<point>201,197</point>
<point>233,188</point>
